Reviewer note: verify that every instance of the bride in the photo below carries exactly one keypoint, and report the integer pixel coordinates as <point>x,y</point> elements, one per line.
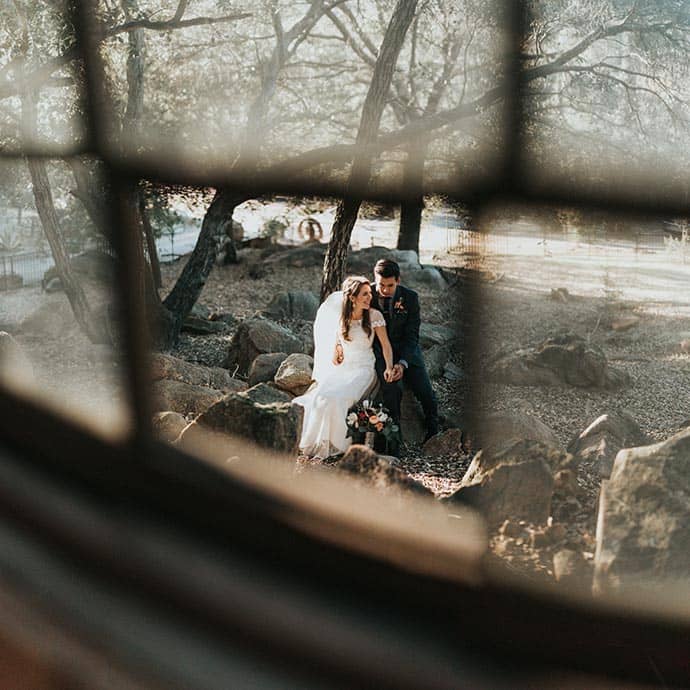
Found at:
<point>344,371</point>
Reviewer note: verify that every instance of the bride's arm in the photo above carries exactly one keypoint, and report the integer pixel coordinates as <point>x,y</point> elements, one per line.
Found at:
<point>386,349</point>
<point>338,354</point>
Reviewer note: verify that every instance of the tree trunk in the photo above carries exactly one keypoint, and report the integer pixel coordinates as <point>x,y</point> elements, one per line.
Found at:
<point>193,277</point>
<point>89,191</point>
<point>51,227</point>
<point>346,214</point>
<point>413,200</point>
<point>152,251</point>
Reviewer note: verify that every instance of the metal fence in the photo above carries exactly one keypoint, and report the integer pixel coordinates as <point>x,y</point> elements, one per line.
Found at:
<point>23,270</point>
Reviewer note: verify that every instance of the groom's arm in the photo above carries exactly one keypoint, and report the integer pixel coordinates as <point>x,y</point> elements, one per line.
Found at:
<point>410,339</point>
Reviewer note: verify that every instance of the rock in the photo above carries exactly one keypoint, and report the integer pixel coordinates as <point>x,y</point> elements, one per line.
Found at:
<point>625,323</point>
<point>167,426</point>
<point>571,569</point>
<point>300,257</point>
<point>547,536</point>
<point>515,484</point>
<point>435,359</point>
<point>499,430</point>
<point>174,369</point>
<point>452,372</point>
<point>184,398</point>
<point>266,394</point>
<point>448,442</point>
<point>604,437</point>
<point>412,423</point>
<point>299,304</point>
<point>259,336</point>
<point>362,261</point>
<point>264,367</point>
<point>643,526</point>
<point>203,326</point>
<point>306,335</point>
<point>378,471</point>
<point>14,364</point>
<point>257,414</point>
<point>563,360</point>
<point>92,263</point>
<point>428,276</point>
<point>294,373</point>
<point>434,334</point>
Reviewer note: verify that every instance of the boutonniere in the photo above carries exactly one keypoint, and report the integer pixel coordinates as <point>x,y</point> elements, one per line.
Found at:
<point>399,307</point>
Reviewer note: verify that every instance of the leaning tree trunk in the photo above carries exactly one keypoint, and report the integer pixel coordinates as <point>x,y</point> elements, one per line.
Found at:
<point>151,249</point>
<point>51,227</point>
<point>348,208</point>
<point>413,199</point>
<point>193,277</point>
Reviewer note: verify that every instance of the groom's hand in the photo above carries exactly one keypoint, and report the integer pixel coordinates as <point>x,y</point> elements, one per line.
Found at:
<point>398,371</point>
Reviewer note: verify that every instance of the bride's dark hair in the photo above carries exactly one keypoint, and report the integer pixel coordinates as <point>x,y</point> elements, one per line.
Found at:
<point>351,288</point>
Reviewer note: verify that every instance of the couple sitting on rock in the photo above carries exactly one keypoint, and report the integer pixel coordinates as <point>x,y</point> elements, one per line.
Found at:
<point>361,337</point>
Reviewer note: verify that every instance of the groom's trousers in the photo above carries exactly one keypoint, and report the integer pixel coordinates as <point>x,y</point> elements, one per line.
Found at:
<point>417,380</point>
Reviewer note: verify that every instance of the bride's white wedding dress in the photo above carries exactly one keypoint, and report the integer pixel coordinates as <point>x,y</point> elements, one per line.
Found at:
<point>336,388</point>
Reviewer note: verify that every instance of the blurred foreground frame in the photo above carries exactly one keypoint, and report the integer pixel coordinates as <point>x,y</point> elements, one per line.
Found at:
<point>154,569</point>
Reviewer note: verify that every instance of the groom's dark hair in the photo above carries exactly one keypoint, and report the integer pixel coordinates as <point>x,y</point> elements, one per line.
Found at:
<point>386,268</point>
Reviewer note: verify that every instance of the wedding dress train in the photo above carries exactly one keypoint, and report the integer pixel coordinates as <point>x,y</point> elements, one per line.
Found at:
<point>336,387</point>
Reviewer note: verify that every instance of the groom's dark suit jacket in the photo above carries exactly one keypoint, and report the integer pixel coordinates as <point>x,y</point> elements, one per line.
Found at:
<point>402,323</point>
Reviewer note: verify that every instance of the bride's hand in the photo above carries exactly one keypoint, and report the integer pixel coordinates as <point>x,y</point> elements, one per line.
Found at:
<point>338,355</point>
<point>389,375</point>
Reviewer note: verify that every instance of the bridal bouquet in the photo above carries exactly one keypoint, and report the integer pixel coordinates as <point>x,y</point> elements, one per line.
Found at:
<point>366,417</point>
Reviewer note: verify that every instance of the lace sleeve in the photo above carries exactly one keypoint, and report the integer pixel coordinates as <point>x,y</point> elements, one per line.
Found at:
<point>377,319</point>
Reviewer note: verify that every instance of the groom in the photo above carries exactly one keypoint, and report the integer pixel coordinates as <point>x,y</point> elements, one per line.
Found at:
<point>400,308</point>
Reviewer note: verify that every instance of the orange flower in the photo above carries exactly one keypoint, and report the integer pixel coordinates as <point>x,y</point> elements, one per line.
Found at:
<point>379,426</point>
<point>374,419</point>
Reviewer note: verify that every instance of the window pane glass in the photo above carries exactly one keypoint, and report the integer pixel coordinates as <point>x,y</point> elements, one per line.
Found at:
<point>59,350</point>
<point>41,87</point>
<point>585,350</point>
<point>240,89</point>
<point>608,98</point>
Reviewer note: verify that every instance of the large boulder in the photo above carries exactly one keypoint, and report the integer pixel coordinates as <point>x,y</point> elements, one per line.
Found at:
<point>514,484</point>
<point>92,264</point>
<point>262,414</point>
<point>310,256</point>
<point>259,336</point>
<point>448,442</point>
<point>643,528</point>
<point>378,471</point>
<point>600,442</point>
<point>362,261</point>
<point>264,367</point>
<point>298,304</point>
<point>500,430</point>
<point>294,373</point>
<point>427,277</point>
<point>433,334</point>
<point>562,360</point>
<point>175,369</point>
<point>184,398</point>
